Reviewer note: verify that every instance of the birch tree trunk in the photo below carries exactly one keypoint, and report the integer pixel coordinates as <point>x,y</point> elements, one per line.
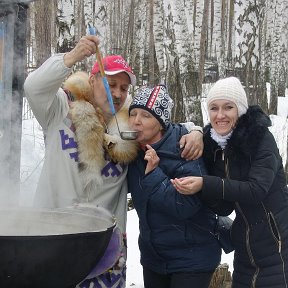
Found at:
<point>277,43</point>
<point>160,46</point>
<point>151,57</point>
<point>43,20</point>
<point>230,35</point>
<point>203,42</point>
<point>140,42</point>
<point>65,26</point>
<point>261,90</point>
<point>129,37</point>
<point>173,55</point>
<point>247,53</point>
<point>216,34</point>
<point>101,22</point>
<point>54,32</point>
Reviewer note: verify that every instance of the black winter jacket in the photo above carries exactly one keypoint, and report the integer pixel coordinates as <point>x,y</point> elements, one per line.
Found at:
<point>174,228</point>
<point>251,179</point>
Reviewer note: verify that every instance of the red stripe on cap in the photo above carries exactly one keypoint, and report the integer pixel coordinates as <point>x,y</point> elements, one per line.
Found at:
<point>153,97</point>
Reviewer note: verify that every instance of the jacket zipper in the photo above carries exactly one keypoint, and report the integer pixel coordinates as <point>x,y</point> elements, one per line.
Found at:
<point>269,216</point>
<point>254,278</point>
<point>278,240</point>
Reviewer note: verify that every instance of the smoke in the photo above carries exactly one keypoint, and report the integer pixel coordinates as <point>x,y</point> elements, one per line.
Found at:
<point>12,67</point>
<point>32,155</point>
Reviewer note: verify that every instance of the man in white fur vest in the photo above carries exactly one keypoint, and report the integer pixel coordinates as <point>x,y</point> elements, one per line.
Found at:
<point>86,159</point>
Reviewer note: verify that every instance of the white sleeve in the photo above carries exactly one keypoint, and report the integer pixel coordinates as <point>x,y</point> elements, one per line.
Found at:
<point>42,88</point>
<point>190,126</point>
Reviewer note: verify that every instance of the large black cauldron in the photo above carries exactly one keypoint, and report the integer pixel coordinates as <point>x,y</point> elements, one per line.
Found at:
<point>50,248</point>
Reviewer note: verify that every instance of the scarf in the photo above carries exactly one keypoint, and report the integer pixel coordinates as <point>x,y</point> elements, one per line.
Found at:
<point>221,140</point>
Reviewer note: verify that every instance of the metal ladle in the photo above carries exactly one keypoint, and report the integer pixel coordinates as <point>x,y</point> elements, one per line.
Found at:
<point>125,135</point>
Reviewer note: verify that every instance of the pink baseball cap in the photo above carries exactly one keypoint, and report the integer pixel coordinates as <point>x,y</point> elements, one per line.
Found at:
<point>113,65</point>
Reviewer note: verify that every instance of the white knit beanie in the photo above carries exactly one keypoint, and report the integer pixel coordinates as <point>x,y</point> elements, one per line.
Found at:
<point>229,89</point>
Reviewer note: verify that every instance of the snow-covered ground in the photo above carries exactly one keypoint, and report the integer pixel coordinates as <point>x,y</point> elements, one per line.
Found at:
<point>32,159</point>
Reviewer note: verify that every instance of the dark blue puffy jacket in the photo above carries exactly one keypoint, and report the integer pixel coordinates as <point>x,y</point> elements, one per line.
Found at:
<point>174,228</point>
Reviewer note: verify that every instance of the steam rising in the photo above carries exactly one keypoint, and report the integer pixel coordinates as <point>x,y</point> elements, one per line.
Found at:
<point>12,68</point>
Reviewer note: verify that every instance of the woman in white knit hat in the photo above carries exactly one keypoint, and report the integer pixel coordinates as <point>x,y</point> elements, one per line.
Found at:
<point>248,176</point>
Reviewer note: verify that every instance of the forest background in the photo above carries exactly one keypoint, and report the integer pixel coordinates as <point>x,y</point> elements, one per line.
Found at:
<point>181,43</point>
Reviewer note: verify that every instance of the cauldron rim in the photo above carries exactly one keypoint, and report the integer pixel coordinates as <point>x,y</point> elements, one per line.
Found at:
<point>83,223</point>
<point>56,236</point>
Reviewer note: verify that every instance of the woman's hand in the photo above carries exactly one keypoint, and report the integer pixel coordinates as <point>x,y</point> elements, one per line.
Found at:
<point>152,159</point>
<point>192,144</point>
<point>188,185</point>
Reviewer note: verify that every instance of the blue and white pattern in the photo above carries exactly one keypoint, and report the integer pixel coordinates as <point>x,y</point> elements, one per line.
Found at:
<point>155,100</point>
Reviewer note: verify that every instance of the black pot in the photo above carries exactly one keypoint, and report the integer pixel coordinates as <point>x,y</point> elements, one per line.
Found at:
<point>50,248</point>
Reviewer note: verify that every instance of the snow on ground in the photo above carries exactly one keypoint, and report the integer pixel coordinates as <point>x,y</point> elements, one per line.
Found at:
<point>134,269</point>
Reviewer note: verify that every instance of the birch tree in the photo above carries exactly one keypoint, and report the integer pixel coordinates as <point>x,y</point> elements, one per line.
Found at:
<point>179,55</point>
<point>151,58</point>
<point>160,45</point>
<point>42,28</point>
<point>203,43</point>
<point>216,35</point>
<point>248,39</point>
<point>248,55</point>
<point>139,49</point>
<point>277,47</point>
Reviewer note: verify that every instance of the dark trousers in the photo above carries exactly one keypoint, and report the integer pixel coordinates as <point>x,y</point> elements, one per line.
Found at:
<point>176,280</point>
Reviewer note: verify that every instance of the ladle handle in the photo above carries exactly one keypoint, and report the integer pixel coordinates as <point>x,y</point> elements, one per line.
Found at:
<point>92,31</point>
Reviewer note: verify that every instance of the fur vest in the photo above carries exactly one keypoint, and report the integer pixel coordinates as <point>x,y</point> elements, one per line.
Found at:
<point>95,146</point>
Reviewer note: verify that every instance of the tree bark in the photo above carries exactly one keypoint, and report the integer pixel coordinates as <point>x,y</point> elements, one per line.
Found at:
<point>151,61</point>
<point>203,44</point>
<point>43,20</point>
